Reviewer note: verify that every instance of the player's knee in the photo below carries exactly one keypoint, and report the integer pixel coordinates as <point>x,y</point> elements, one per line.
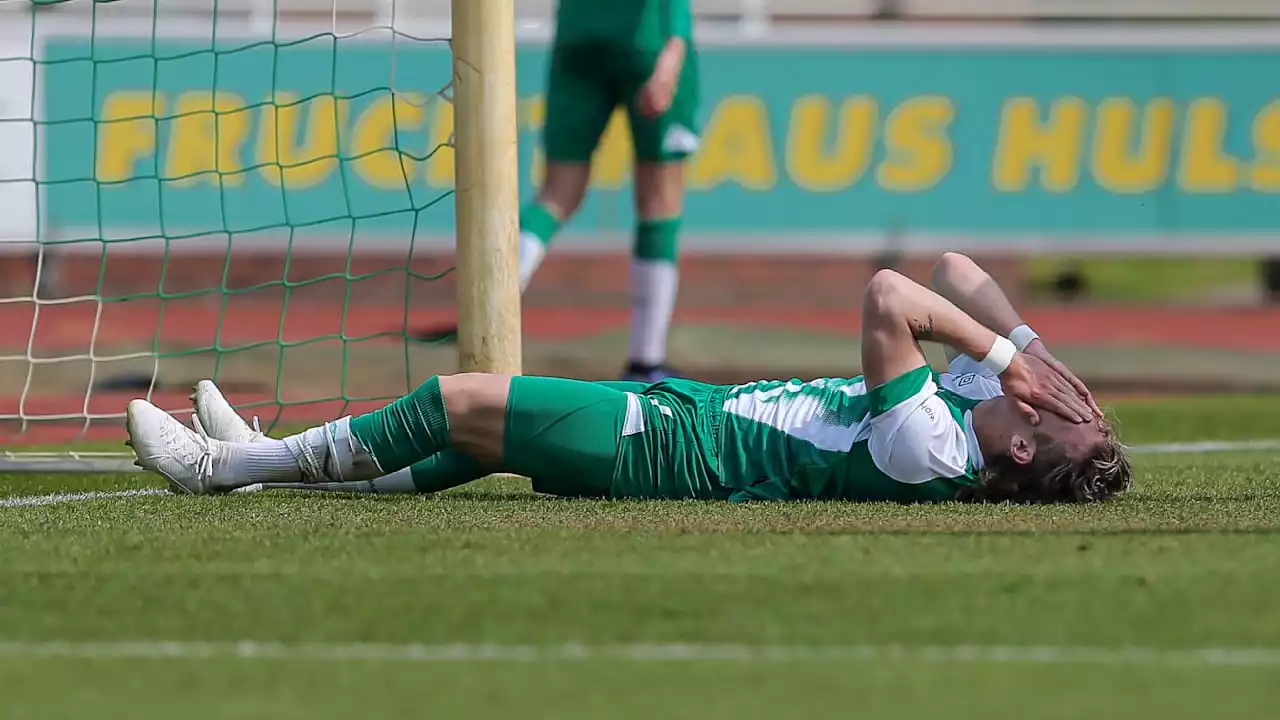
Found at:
<point>467,395</point>
<point>477,405</point>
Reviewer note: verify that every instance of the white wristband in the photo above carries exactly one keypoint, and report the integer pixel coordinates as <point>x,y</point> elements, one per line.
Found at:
<point>1022,336</point>
<point>1000,355</point>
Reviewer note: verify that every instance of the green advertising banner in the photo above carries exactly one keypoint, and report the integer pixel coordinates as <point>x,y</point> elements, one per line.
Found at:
<point>1003,144</point>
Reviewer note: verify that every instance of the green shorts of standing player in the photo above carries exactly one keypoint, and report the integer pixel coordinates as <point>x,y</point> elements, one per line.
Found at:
<point>638,55</point>
<point>1002,424</point>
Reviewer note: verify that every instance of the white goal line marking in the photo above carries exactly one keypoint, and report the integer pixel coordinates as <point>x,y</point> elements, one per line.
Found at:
<point>638,653</point>
<point>1208,446</point>
<point>59,498</point>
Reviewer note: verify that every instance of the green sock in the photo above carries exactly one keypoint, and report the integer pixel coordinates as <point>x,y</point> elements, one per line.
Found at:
<point>655,282</point>
<point>446,469</point>
<point>537,227</point>
<point>539,222</point>
<point>657,239</point>
<point>413,428</point>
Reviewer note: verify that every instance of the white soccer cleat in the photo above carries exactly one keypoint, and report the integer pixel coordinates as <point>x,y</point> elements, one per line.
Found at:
<point>218,419</point>
<point>191,461</point>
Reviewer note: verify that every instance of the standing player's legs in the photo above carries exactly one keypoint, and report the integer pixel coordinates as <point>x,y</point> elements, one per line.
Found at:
<point>580,100</point>
<point>662,145</point>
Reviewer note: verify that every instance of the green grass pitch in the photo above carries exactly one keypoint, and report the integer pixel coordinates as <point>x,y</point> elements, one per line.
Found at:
<point>490,602</point>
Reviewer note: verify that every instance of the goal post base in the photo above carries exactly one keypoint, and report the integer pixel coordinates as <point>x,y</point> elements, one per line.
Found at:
<point>70,463</point>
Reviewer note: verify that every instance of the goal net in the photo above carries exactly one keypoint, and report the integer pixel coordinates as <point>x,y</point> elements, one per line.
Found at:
<point>260,192</point>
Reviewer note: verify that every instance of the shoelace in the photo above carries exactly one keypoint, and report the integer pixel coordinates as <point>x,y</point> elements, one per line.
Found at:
<point>313,467</point>
<point>203,463</point>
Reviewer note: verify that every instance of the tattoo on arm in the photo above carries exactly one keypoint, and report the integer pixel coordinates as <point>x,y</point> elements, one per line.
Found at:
<point>922,329</point>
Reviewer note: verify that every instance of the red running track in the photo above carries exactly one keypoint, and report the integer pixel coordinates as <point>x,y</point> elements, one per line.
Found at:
<point>69,328</point>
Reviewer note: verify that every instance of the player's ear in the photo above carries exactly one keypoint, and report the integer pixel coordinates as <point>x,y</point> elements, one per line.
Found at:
<point>1022,449</point>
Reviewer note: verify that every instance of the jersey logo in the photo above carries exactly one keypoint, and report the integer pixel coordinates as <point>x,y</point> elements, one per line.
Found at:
<point>966,379</point>
<point>680,139</point>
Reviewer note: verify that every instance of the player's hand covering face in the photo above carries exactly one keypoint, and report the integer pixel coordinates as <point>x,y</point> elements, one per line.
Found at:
<point>1035,386</point>
<point>1037,349</point>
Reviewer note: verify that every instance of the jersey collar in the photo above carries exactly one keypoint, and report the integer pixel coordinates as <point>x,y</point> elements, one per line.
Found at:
<point>971,440</point>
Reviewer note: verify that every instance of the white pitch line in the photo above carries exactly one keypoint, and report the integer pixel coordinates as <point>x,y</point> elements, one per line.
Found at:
<point>59,498</point>
<point>1208,446</point>
<point>639,653</point>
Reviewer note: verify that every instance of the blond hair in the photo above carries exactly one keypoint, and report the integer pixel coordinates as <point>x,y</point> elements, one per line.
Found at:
<point>1053,476</point>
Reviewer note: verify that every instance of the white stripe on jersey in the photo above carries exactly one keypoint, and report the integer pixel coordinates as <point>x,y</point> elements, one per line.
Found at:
<point>801,415</point>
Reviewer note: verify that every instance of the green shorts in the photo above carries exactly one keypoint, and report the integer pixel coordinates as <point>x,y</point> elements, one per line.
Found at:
<point>589,80</point>
<point>616,440</point>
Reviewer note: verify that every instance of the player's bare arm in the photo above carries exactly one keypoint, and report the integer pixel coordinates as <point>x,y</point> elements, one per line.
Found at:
<point>898,313</point>
<point>659,90</point>
<point>959,279</point>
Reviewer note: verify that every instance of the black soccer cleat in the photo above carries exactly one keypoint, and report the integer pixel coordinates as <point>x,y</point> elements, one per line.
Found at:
<point>645,373</point>
<point>446,333</point>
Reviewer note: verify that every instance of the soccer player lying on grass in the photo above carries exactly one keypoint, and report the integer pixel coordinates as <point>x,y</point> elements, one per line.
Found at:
<point>1003,425</point>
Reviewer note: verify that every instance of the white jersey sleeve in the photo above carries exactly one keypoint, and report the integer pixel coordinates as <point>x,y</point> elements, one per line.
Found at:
<point>967,377</point>
<point>916,439</point>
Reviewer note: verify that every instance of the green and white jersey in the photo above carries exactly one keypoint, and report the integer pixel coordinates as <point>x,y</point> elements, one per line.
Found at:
<point>908,440</point>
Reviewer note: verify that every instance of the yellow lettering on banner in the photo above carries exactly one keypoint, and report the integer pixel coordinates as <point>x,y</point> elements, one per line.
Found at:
<point>737,147</point>
<point>919,152</point>
<point>378,158</point>
<point>206,134</point>
<point>533,115</point>
<point>1266,143</point>
<point>1053,146</point>
<point>127,133</point>
<point>1206,168</point>
<point>614,155</point>
<point>282,159</point>
<point>440,146</point>
<point>532,112</point>
<point>809,163</point>
<point>1116,166</point>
